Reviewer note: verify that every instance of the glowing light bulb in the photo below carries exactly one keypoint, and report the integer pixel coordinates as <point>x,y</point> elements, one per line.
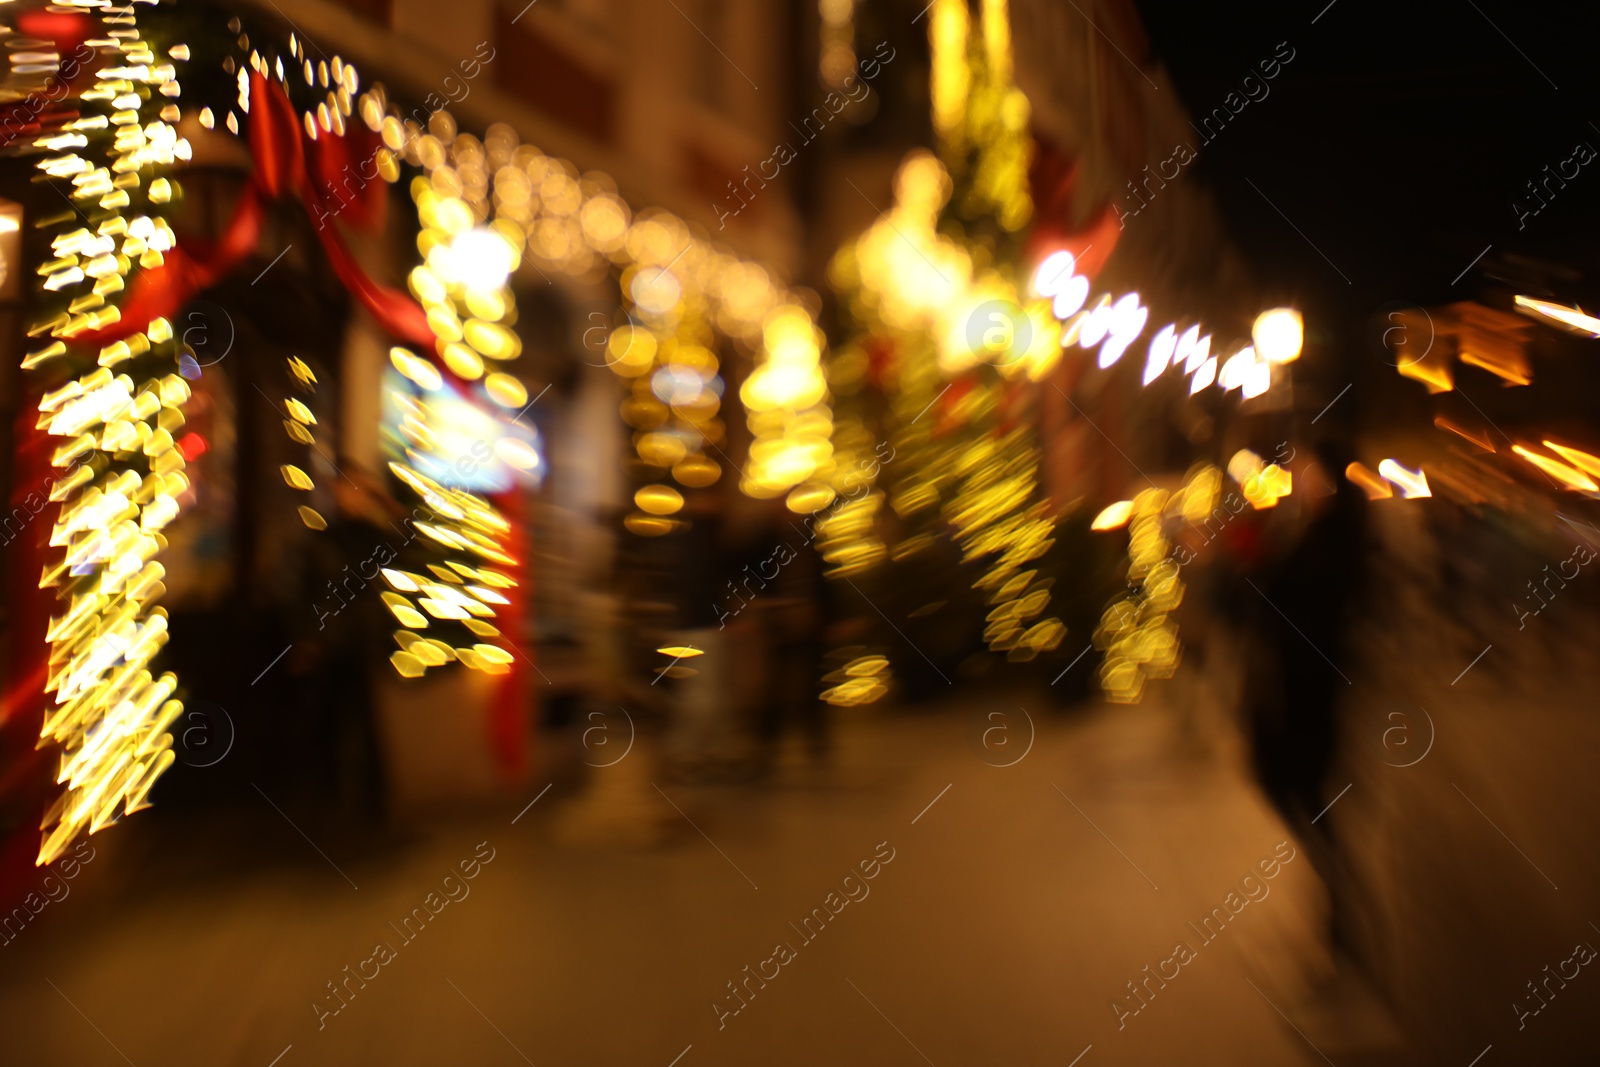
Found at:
<point>1096,326</point>
<point>1069,300</point>
<point>1575,319</point>
<point>1257,380</point>
<point>1054,273</point>
<point>479,258</point>
<point>1162,347</point>
<point>1278,335</point>
<point>1411,484</point>
<point>1234,369</point>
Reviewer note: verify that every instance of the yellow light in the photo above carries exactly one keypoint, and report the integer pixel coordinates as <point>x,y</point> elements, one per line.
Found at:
<point>1266,488</point>
<point>1583,460</point>
<point>1511,366</point>
<point>648,525</point>
<point>418,370</point>
<point>463,361</point>
<point>681,651</point>
<point>400,580</point>
<point>1244,465</point>
<point>1113,517</point>
<point>661,449</point>
<point>295,477</point>
<point>658,499</point>
<point>492,653</point>
<point>505,390</point>
<point>808,499</point>
<point>1483,441</point>
<point>696,472</point>
<point>1568,476</point>
<point>1431,369</point>
<point>950,74</point>
<point>492,339</point>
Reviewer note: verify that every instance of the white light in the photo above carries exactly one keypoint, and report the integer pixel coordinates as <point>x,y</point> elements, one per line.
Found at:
<point>1128,318</point>
<point>1278,335</point>
<point>1095,326</point>
<point>1411,484</point>
<point>1573,318</point>
<point>1257,380</point>
<point>1204,376</point>
<point>656,290</point>
<point>478,258</point>
<point>1113,517</point>
<point>1186,344</point>
<point>1231,376</point>
<point>1053,274</point>
<point>1069,300</point>
<point>1201,352</point>
<point>519,454</point>
<point>1112,350</point>
<point>1161,349</point>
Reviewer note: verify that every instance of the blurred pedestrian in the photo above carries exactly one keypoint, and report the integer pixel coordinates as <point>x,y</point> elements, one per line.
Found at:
<point>793,612</point>
<point>338,635</point>
<point>702,737</point>
<point>1309,596</point>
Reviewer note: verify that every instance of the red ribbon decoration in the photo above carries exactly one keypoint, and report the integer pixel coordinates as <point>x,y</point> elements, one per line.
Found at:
<point>37,112</point>
<point>1053,176</point>
<point>287,161</point>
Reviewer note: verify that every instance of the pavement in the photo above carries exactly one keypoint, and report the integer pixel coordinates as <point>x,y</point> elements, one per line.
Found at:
<point>1022,881</point>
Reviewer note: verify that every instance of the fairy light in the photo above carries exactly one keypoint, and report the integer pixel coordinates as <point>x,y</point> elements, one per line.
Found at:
<point>486,206</point>
<point>1138,638</point>
<point>123,479</point>
<point>837,54</point>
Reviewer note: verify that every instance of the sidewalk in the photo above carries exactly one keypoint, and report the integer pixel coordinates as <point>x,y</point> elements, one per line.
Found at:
<point>1018,904</point>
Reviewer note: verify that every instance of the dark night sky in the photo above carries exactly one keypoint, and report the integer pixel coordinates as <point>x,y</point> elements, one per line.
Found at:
<point>1397,139</point>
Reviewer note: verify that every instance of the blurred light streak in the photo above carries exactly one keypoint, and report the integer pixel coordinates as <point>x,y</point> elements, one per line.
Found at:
<point>1570,477</point>
<point>1483,442</point>
<point>1574,319</point>
<point>1412,484</point>
<point>1376,488</point>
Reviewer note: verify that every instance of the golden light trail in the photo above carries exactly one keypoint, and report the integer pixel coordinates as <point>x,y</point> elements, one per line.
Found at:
<point>1578,458</point>
<point>1574,319</point>
<point>1570,477</point>
<point>1374,486</point>
<point>1462,432</point>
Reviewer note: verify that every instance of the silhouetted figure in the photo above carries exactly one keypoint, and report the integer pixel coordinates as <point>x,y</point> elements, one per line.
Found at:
<point>694,580</point>
<point>1294,700</point>
<point>794,610</point>
<point>338,640</point>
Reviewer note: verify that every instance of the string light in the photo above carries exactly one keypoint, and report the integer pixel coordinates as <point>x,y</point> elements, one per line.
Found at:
<point>122,476</point>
